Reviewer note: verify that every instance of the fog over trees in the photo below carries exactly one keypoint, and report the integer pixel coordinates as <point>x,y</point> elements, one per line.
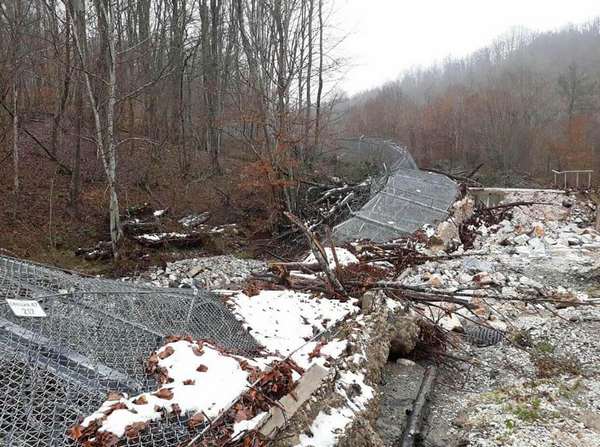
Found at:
<point>529,102</point>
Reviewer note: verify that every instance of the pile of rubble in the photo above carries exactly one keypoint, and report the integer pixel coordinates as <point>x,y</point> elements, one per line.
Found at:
<point>516,276</point>
<point>539,250</point>
<point>213,272</point>
<point>530,277</point>
<point>498,289</point>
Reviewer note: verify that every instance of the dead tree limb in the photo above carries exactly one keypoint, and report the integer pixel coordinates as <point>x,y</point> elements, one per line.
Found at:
<point>513,204</point>
<point>319,254</point>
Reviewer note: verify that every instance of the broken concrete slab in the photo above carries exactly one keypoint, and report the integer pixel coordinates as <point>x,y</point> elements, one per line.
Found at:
<point>289,404</point>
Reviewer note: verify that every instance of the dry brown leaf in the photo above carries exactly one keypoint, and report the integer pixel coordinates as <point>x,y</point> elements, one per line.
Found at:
<point>115,407</point>
<point>140,400</point>
<point>133,430</point>
<point>164,393</point>
<point>166,352</point>
<point>106,439</point>
<point>195,421</point>
<point>202,368</point>
<point>176,409</point>
<point>92,427</point>
<point>251,289</point>
<point>317,351</point>
<point>152,363</point>
<point>75,432</point>
<point>189,382</point>
<point>162,375</point>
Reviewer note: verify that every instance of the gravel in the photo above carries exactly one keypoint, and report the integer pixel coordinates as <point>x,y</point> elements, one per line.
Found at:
<point>212,272</point>
<point>540,385</point>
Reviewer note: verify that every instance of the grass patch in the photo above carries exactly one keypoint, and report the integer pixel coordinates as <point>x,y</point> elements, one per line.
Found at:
<point>528,412</point>
<point>545,347</point>
<point>521,337</point>
<point>570,392</point>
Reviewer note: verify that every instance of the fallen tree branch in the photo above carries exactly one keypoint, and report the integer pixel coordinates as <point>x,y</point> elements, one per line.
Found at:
<point>319,254</point>
<point>514,204</point>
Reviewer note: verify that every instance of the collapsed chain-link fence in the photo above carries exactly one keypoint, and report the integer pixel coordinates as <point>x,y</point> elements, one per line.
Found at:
<point>404,198</point>
<point>378,151</point>
<point>95,338</point>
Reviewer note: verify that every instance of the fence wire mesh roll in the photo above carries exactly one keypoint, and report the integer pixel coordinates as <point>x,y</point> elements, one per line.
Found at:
<point>403,199</point>
<point>96,338</point>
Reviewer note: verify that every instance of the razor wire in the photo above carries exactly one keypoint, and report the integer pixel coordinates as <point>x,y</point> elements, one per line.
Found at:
<point>95,338</point>
<point>404,198</point>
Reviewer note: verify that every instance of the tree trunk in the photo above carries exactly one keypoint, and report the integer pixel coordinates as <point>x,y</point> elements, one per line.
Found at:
<point>308,104</point>
<point>320,88</point>
<point>77,13</point>
<point>103,111</point>
<point>16,181</point>
<point>65,89</point>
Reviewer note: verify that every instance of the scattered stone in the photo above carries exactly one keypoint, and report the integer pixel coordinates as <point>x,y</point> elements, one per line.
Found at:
<point>474,265</point>
<point>211,272</point>
<point>521,239</point>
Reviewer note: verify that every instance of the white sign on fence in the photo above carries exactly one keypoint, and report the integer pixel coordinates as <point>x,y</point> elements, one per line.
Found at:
<point>26,308</point>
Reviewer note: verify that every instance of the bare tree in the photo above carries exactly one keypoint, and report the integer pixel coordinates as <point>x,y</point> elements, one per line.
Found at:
<point>103,109</point>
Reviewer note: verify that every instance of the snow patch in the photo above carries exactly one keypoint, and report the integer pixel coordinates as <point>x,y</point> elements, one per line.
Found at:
<point>344,257</point>
<point>283,320</point>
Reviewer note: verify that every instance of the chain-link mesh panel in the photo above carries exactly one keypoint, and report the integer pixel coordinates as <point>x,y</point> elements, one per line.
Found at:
<point>95,338</point>
<point>404,199</point>
<point>379,151</point>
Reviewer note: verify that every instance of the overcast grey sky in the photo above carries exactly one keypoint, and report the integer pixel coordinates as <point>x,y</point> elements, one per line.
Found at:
<point>386,37</point>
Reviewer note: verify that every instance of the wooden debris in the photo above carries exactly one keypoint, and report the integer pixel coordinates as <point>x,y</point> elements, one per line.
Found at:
<point>319,254</point>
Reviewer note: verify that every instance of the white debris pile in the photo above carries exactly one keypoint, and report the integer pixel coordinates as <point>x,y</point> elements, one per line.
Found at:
<point>539,385</point>
<point>554,233</point>
<point>542,248</point>
<point>539,389</point>
<point>209,273</point>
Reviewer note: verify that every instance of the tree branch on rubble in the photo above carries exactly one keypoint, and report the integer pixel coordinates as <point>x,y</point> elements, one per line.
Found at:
<point>319,254</point>
<point>515,204</point>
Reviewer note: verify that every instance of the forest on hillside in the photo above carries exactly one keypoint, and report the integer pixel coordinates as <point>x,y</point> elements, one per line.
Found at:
<point>233,107</point>
<point>524,105</point>
<point>190,105</point>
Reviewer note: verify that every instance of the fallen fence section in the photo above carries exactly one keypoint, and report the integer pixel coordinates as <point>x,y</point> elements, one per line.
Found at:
<point>96,337</point>
<point>404,199</point>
